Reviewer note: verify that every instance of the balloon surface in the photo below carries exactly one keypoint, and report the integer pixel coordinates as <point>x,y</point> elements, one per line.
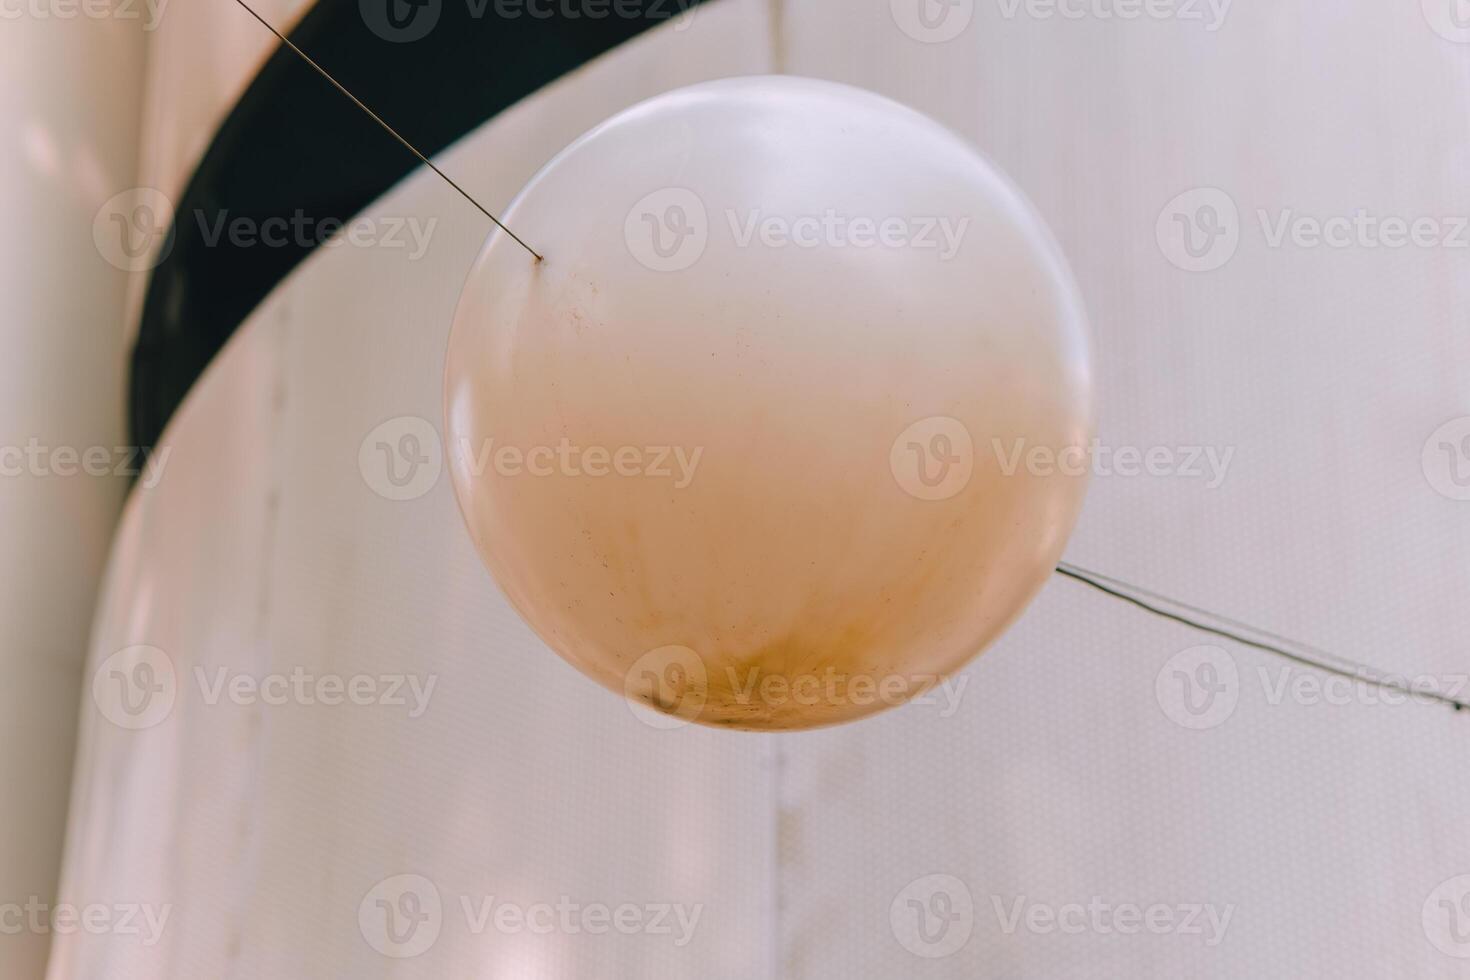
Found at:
<point>791,421</point>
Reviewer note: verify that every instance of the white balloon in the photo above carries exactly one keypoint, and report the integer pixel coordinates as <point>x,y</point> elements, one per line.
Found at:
<point>791,421</point>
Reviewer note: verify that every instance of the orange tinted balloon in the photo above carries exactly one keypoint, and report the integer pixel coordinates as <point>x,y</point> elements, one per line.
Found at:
<point>763,442</point>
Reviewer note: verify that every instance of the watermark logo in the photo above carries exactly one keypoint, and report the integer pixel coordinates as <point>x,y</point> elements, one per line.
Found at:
<point>410,692</point>
<point>404,916</point>
<point>932,21</point>
<point>401,917</point>
<point>572,918</point>
<point>402,458</point>
<point>668,230</point>
<point>1199,230</point>
<point>139,687</point>
<point>1210,13</point>
<point>135,230</point>
<point>1206,463</point>
<point>754,687</point>
<point>677,681</point>
<point>1446,459</point>
<point>1364,229</point>
<point>833,229</point>
<point>1100,917</point>
<point>136,688</point>
<point>1446,916</point>
<point>933,916</point>
<point>674,680</point>
<point>149,11</point>
<point>146,923</point>
<point>934,458</point>
<point>1311,688</point>
<point>401,21</point>
<point>1450,19</point>
<point>43,462</point>
<point>305,231</point>
<point>132,229</point>
<point>675,464</point>
<point>1198,688</point>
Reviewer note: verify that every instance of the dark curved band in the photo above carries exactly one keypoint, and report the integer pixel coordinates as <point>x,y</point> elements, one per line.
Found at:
<point>294,156</point>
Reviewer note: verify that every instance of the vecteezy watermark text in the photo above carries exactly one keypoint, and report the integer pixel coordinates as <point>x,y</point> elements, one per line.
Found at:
<point>935,458</point>
<point>303,687</point>
<point>830,229</point>
<point>1210,13</point>
<point>135,230</point>
<point>938,21</point>
<point>403,917</point>
<point>674,463</point>
<point>42,461</point>
<point>677,680</point>
<point>34,916</point>
<point>138,687</point>
<point>1103,918</point>
<point>404,21</point>
<point>302,230</point>
<point>402,458</point>
<point>669,229</point>
<point>1208,463</point>
<point>1201,229</point>
<point>149,11</point>
<point>1362,228</point>
<point>1200,688</point>
<point>934,917</point>
<point>769,689</point>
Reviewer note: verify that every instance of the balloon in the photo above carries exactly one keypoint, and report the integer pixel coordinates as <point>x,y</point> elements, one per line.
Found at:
<point>789,424</point>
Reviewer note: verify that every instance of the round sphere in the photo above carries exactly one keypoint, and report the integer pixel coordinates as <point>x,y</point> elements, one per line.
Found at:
<point>790,423</point>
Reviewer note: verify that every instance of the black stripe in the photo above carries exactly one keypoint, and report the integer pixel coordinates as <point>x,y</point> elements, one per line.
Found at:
<point>295,149</point>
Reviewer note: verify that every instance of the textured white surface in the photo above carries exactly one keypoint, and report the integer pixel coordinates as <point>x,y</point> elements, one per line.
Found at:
<point>1066,775</point>
<point>1061,779</point>
<point>68,87</point>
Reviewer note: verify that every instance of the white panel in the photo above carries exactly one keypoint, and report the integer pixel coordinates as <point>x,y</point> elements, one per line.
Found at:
<point>1062,777</point>
<point>268,828</point>
<point>69,83</point>
<point>156,805</point>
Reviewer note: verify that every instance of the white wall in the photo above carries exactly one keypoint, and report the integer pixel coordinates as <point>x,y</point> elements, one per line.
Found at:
<point>1325,371</point>
<point>68,94</point>
<point>1067,775</point>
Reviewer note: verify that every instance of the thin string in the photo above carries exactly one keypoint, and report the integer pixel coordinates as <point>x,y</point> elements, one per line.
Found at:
<point>1234,629</point>
<point>1146,599</point>
<point>391,131</point>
